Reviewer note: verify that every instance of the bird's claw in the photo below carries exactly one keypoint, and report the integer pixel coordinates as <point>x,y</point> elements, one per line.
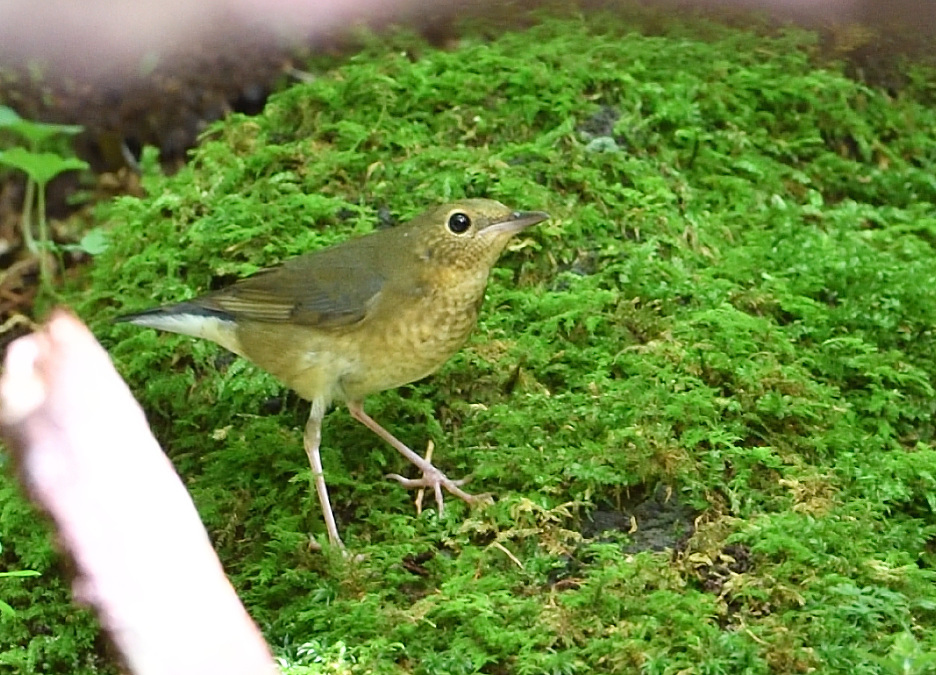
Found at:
<point>436,480</point>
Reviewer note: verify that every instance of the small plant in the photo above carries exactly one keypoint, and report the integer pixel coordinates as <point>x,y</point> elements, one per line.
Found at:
<point>5,609</point>
<point>907,657</point>
<point>40,168</point>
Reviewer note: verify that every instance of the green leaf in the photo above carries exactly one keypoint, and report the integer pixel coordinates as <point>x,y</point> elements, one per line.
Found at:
<point>8,116</point>
<point>94,242</point>
<point>20,573</point>
<point>40,166</point>
<point>39,132</point>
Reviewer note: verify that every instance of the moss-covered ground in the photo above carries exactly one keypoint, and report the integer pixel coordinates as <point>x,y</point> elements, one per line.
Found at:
<point>703,393</point>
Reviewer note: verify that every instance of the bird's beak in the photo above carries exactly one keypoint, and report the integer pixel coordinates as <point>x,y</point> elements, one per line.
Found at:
<point>517,221</point>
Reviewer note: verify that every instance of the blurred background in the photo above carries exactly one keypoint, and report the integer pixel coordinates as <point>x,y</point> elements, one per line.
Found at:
<point>155,73</point>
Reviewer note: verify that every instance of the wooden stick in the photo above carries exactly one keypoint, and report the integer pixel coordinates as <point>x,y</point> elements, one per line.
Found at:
<point>141,557</point>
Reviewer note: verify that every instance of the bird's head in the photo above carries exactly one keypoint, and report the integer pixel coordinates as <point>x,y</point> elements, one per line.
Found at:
<point>468,234</point>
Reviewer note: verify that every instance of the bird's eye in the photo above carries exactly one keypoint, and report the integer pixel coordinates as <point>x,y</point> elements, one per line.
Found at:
<point>459,223</point>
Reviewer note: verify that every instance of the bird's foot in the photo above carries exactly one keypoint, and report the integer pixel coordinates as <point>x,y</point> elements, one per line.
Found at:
<point>314,546</point>
<point>431,476</point>
<point>435,480</point>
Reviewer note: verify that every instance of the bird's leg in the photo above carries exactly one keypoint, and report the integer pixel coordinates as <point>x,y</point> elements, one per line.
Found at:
<point>430,446</point>
<point>312,439</point>
<point>431,478</point>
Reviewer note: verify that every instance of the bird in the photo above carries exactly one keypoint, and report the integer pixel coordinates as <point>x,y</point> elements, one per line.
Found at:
<point>366,315</point>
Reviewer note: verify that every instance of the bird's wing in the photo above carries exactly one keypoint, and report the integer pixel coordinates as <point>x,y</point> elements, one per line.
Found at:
<point>315,290</point>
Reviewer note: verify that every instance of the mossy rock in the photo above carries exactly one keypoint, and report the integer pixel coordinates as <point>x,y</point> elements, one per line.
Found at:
<point>724,338</point>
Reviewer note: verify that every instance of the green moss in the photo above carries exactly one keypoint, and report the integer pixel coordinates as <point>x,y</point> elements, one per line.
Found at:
<point>733,306</point>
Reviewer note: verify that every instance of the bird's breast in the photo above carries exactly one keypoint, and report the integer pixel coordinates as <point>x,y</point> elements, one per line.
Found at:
<point>408,337</point>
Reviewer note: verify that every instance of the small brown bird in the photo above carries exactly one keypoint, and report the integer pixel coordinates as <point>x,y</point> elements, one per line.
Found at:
<point>368,314</point>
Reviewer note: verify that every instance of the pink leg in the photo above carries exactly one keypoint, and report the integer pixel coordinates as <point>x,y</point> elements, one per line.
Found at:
<point>431,478</point>
<point>311,440</point>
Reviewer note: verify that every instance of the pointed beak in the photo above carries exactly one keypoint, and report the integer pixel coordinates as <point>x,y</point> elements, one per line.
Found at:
<point>517,221</point>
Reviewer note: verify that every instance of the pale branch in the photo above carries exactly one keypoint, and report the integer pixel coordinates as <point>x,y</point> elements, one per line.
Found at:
<point>140,555</point>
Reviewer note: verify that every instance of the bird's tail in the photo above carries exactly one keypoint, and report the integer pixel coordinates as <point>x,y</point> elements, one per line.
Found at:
<point>189,318</point>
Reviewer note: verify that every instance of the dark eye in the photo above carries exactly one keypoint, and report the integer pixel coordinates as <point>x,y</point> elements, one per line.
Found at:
<point>459,222</point>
